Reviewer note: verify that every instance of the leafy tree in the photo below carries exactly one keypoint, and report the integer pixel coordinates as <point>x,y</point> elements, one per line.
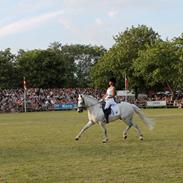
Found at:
<point>178,42</point>
<point>84,57</point>
<point>119,60</point>
<point>7,69</point>
<point>45,68</point>
<point>159,65</point>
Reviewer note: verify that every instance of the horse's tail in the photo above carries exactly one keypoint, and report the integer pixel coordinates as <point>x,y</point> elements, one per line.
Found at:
<point>148,121</point>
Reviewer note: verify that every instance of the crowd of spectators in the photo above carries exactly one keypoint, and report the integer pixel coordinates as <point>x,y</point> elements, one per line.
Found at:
<point>41,99</point>
<point>45,99</point>
<point>175,100</point>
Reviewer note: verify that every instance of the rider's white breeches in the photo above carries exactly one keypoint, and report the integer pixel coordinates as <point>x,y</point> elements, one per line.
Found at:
<point>109,102</point>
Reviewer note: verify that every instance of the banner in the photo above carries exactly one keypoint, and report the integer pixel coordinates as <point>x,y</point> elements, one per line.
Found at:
<point>123,93</point>
<point>65,106</point>
<point>156,103</point>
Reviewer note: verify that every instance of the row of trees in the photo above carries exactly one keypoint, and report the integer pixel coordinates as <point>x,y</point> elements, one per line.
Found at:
<point>57,66</point>
<point>138,52</point>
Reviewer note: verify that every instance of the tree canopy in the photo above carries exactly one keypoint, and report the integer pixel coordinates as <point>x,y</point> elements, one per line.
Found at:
<point>138,52</point>
<point>144,57</point>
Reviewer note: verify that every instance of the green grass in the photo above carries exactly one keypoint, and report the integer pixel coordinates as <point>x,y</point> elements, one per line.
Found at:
<point>40,148</point>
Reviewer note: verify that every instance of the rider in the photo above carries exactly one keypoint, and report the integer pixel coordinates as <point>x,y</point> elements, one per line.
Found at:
<point>109,98</point>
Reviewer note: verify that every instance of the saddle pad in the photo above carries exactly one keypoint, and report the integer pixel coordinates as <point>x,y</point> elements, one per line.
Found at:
<point>115,110</point>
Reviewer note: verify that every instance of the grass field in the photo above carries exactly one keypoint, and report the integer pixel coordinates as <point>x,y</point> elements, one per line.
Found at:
<point>40,148</point>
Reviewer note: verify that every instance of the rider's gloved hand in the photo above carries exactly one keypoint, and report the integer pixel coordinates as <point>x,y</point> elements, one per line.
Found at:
<point>101,100</point>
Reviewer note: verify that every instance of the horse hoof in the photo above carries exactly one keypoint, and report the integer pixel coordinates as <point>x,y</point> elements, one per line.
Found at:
<point>125,137</point>
<point>105,141</point>
<point>76,138</point>
<point>141,138</point>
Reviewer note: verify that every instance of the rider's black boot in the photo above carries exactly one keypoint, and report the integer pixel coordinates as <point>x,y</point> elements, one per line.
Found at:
<point>106,114</point>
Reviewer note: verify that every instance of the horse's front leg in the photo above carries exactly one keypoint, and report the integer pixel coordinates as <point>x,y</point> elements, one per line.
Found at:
<point>103,126</point>
<point>88,125</point>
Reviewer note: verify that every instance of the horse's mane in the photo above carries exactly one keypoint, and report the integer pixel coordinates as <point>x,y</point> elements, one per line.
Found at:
<point>90,96</point>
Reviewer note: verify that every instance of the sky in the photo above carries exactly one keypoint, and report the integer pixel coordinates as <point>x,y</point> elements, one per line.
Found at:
<point>35,24</point>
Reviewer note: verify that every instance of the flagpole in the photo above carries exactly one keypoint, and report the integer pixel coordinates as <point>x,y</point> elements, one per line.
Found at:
<point>126,88</point>
<point>25,96</point>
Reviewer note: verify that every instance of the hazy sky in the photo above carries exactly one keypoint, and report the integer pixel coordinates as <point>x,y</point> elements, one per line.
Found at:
<point>31,24</point>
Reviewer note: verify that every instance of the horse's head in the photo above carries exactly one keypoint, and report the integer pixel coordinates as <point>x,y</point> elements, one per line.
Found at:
<point>81,103</point>
<point>85,101</point>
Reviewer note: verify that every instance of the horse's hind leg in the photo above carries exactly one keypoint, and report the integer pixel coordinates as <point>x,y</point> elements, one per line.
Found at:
<point>130,123</point>
<point>88,125</point>
<point>125,132</point>
<point>138,131</point>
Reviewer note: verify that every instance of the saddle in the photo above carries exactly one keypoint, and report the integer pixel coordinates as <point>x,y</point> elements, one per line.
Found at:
<point>112,110</point>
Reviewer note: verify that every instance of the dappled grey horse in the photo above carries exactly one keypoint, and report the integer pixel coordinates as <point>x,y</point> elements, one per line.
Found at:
<point>123,111</point>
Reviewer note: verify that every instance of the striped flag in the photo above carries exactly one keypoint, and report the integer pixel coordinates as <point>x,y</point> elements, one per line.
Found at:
<point>126,83</point>
<point>24,84</point>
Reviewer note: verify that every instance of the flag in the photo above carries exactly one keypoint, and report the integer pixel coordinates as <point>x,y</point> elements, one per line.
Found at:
<point>126,83</point>
<point>25,84</point>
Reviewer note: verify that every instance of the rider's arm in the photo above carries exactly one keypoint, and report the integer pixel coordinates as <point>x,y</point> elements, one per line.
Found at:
<point>104,96</point>
<point>113,92</point>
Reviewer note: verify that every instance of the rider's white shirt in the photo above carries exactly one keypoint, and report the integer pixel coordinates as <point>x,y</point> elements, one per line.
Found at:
<point>109,98</point>
<point>109,93</point>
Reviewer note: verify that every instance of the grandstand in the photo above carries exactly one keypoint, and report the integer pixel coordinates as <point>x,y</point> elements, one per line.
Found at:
<point>13,100</point>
